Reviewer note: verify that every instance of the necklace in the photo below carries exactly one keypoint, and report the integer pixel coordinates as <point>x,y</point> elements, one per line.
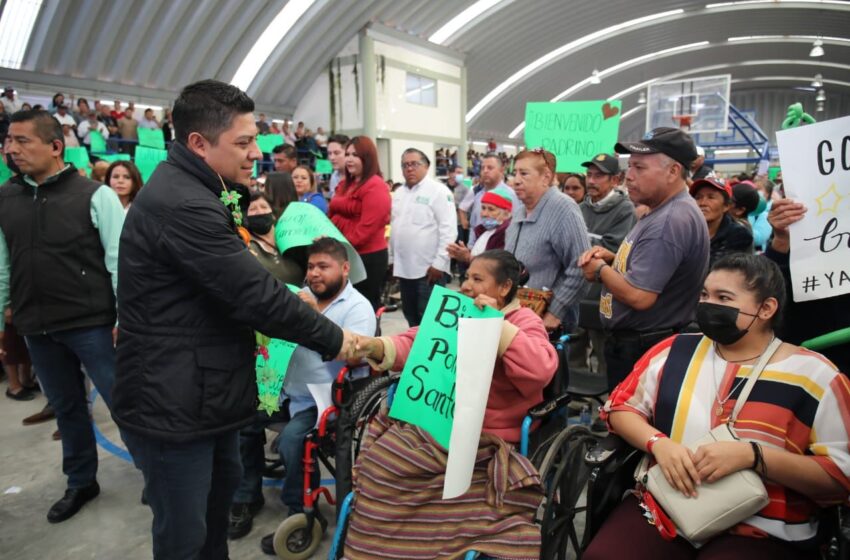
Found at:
<point>718,411</point>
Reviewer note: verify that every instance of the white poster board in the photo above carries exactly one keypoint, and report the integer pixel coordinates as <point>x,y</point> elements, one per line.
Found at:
<point>477,345</point>
<point>815,161</point>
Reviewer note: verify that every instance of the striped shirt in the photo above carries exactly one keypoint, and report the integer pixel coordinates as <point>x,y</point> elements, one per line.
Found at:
<point>800,404</point>
<point>549,243</point>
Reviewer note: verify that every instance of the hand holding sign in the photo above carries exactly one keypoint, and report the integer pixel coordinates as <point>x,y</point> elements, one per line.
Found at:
<point>816,168</point>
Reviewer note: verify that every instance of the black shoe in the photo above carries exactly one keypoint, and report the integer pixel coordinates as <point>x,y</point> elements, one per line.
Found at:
<point>23,394</point>
<point>242,518</point>
<point>71,502</point>
<point>267,544</point>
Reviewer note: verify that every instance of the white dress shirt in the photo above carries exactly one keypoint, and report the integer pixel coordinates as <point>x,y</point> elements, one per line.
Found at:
<point>424,222</point>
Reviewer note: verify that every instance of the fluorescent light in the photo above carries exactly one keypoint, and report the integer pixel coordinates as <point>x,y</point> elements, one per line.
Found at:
<point>642,98</point>
<point>756,2</point>
<point>817,48</point>
<point>821,96</point>
<point>752,38</point>
<point>561,51</point>
<point>15,29</point>
<point>461,20</point>
<point>731,152</point>
<point>818,81</point>
<point>819,108</point>
<point>274,33</point>
<point>594,77</point>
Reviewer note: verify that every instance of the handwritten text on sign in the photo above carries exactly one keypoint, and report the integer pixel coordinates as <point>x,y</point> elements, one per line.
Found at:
<point>574,131</point>
<point>426,390</point>
<point>816,171</point>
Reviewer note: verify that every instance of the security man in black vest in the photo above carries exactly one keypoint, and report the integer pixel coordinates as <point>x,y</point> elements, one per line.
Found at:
<point>190,297</point>
<point>59,236</point>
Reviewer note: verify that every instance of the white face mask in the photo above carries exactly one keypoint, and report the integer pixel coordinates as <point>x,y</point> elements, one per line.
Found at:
<point>459,178</point>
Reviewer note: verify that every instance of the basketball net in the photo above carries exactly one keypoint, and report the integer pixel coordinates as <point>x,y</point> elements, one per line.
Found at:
<point>684,121</point>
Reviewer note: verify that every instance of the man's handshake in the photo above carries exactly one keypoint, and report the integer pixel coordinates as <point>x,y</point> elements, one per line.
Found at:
<point>356,347</point>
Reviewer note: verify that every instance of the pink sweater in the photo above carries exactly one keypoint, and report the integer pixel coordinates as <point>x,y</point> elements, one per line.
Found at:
<point>525,364</point>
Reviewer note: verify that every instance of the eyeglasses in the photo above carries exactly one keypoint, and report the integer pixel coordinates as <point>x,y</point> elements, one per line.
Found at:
<point>410,164</point>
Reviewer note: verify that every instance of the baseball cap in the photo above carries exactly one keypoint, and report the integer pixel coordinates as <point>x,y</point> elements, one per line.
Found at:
<point>606,163</point>
<point>671,142</point>
<point>712,182</point>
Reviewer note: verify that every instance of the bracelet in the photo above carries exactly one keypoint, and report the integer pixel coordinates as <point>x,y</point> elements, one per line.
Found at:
<point>598,273</point>
<point>758,459</point>
<point>651,441</point>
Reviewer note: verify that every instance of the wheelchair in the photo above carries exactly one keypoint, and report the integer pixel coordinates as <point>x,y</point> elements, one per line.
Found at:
<point>550,440</point>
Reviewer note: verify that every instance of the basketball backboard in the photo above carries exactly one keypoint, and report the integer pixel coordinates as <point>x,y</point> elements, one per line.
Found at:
<point>696,105</point>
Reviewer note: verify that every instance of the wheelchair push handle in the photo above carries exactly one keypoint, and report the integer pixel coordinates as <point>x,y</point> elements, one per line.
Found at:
<point>603,451</point>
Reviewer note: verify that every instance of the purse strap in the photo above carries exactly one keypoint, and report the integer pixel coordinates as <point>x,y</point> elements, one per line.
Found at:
<point>754,376</point>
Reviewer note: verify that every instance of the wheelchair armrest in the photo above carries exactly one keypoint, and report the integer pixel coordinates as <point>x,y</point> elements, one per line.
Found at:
<point>547,407</point>
<point>607,448</point>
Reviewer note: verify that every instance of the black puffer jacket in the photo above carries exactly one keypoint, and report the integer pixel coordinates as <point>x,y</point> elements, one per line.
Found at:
<point>190,296</point>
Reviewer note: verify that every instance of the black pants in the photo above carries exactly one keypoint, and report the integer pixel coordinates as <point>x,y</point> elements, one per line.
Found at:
<point>623,350</point>
<point>376,271</point>
<point>190,487</point>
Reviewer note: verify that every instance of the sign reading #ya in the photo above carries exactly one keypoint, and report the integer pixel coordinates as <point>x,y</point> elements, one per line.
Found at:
<point>426,390</point>
<point>816,171</point>
<point>574,131</point>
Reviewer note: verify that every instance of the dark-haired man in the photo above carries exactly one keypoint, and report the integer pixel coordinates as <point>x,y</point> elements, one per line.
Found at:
<point>285,158</point>
<point>424,223</point>
<point>336,155</point>
<point>190,297</point>
<point>330,293</point>
<point>650,288</point>
<point>59,241</point>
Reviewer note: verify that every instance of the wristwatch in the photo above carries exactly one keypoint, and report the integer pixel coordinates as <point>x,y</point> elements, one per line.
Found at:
<point>599,271</point>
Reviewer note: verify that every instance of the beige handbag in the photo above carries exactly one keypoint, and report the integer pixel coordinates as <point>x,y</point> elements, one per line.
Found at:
<point>719,505</point>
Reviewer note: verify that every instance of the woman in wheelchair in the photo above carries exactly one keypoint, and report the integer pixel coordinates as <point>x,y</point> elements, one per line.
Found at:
<point>398,477</point>
<point>793,427</point>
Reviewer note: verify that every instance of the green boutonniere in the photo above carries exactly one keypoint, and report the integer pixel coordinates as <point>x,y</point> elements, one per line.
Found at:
<point>231,200</point>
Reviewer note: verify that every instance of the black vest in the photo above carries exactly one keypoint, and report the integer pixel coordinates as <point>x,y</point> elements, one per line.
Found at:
<point>58,277</point>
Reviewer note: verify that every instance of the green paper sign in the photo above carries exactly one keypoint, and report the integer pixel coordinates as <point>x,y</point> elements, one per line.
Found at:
<point>574,131</point>
<point>98,144</point>
<point>302,222</point>
<point>324,167</point>
<point>147,159</point>
<point>426,390</point>
<point>268,142</point>
<point>115,157</point>
<point>5,172</point>
<point>79,157</point>
<point>273,357</point>
<point>152,138</point>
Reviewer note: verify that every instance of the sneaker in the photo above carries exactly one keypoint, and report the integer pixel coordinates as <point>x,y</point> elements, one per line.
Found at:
<point>267,544</point>
<point>242,518</point>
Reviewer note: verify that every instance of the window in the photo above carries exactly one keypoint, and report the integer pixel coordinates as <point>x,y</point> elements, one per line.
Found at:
<point>421,90</point>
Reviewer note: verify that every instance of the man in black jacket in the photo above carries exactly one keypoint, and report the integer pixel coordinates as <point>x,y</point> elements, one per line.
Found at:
<point>190,297</point>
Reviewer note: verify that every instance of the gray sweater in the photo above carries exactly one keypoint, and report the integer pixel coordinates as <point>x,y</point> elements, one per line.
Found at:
<point>610,221</point>
<point>549,243</point>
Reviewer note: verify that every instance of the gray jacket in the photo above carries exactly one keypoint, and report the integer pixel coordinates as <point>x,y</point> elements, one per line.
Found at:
<point>609,222</point>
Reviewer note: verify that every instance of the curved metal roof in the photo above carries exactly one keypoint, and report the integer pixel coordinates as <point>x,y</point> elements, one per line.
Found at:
<point>153,47</point>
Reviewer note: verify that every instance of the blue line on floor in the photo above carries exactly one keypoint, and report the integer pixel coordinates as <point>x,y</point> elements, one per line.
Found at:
<point>122,453</point>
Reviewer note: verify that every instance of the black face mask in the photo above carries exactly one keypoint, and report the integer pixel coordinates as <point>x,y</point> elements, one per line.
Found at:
<point>260,224</point>
<point>719,322</point>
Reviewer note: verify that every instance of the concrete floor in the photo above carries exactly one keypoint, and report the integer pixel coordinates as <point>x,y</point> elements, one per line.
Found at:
<point>114,525</point>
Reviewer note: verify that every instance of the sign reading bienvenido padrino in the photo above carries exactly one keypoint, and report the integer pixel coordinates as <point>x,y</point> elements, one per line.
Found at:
<point>574,131</point>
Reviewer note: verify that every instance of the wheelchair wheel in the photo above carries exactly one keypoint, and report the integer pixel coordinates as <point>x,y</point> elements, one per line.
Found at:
<point>367,403</point>
<point>565,474</point>
<point>292,541</point>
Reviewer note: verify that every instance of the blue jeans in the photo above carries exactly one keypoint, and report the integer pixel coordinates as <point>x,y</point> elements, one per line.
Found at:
<point>414,297</point>
<point>291,448</point>
<point>190,487</point>
<point>57,357</point>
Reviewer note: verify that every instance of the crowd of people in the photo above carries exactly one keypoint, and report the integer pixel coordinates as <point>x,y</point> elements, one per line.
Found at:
<point>179,274</point>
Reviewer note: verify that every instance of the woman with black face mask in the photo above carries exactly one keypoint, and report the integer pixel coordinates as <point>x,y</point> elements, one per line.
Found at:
<point>792,429</point>
<point>260,223</point>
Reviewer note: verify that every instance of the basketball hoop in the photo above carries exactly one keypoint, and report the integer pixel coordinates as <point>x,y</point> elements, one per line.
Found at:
<point>684,121</point>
